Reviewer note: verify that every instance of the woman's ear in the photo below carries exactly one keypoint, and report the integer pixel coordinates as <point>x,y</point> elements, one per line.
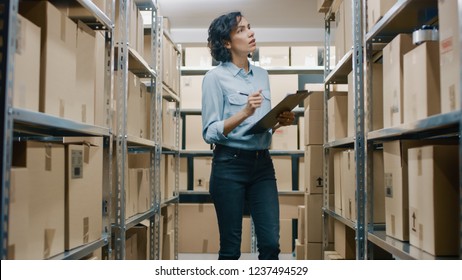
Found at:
<point>227,44</point>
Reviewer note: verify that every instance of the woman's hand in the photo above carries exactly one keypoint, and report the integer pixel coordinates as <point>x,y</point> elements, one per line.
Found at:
<point>253,102</point>
<point>286,118</point>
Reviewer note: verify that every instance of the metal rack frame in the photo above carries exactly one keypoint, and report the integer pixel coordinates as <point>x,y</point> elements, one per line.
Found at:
<point>18,122</point>
<point>402,17</point>
<point>129,59</point>
<point>175,151</point>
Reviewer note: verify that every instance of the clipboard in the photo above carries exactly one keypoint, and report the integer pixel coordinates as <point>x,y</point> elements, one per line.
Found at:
<point>270,119</point>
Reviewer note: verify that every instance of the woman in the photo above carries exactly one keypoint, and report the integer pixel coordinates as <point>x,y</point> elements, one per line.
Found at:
<point>235,95</point>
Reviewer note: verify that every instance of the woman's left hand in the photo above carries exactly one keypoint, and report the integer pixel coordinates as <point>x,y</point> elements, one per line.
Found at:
<point>286,118</point>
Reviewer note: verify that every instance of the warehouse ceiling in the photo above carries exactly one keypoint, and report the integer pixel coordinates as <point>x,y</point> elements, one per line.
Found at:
<point>260,13</point>
<point>275,21</point>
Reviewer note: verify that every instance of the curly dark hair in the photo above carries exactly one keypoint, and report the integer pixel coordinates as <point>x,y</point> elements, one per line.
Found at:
<point>220,32</point>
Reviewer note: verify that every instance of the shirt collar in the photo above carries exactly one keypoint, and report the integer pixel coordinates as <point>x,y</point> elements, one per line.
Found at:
<point>236,70</point>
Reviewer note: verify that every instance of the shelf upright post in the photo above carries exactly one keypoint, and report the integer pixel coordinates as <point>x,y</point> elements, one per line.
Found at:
<point>153,127</point>
<point>8,15</point>
<point>121,130</point>
<point>157,47</point>
<point>177,156</point>
<point>108,144</point>
<point>329,16</point>
<point>368,109</point>
<point>460,131</point>
<point>359,141</point>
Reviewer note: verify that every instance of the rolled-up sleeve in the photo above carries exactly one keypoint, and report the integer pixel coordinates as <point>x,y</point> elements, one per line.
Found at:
<point>212,109</point>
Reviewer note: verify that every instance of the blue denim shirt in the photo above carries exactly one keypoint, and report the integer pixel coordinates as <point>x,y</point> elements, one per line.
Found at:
<point>221,99</point>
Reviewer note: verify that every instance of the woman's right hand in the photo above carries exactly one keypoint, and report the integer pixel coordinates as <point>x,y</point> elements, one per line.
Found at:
<point>253,102</point>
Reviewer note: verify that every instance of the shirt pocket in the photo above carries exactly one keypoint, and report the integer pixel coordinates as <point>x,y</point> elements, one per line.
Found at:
<point>236,102</point>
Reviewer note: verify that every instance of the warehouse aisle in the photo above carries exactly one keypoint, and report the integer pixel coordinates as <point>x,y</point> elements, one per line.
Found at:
<point>245,256</point>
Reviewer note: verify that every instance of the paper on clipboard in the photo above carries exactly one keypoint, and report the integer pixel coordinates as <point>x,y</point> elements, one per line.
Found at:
<point>270,119</point>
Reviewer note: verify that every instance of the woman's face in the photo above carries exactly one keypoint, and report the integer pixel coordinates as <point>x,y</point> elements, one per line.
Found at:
<point>242,40</point>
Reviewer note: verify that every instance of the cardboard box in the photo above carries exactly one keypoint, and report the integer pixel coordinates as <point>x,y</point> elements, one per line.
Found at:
<point>339,32</point>
<point>395,161</point>
<point>376,10</point>
<point>194,140</point>
<point>147,51</point>
<point>348,179</point>
<point>449,34</point>
<point>58,59</point>
<point>26,82</point>
<point>199,229</point>
<point>84,193</point>
<point>169,124</point>
<point>77,11</point>
<point>313,219</point>
<point>281,85</point>
<point>202,170</point>
<point>332,255</point>
<point>314,127</point>
<point>42,165</point>
<point>191,92</point>
<point>136,242</point>
<point>299,250</point>
<point>246,235</point>
<point>315,101</point>
<point>378,192</point>
<point>283,169</point>
<point>348,24</point>
<point>285,138</point>
<point>274,56</point>
<point>377,99</point>
<point>351,130</point>
<point>19,208</point>
<point>82,106</point>
<point>422,96</point>
<point>197,57</point>
<point>338,186</point>
<point>314,181</point>
<point>337,117</point>
<point>100,103</point>
<point>393,83</point>
<point>286,238</point>
<point>313,251</point>
<point>434,199</point>
<point>131,23</point>
<point>288,205</point>
<point>301,132</point>
<point>344,241</point>
<point>134,106</point>
<point>167,53</point>
<point>304,56</point>
<point>301,224</point>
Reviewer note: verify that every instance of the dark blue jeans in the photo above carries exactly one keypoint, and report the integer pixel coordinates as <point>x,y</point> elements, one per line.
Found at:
<point>239,176</point>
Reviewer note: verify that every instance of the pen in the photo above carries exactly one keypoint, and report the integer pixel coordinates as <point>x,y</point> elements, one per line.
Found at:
<point>243,93</point>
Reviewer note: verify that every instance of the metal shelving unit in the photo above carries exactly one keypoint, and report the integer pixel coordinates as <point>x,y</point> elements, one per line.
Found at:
<point>171,94</point>
<point>404,17</point>
<point>17,122</point>
<point>128,59</point>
